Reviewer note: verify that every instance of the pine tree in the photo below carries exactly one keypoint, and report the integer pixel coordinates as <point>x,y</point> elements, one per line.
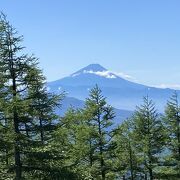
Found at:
<point>14,68</point>
<point>149,135</point>
<point>43,122</point>
<point>69,145</point>
<point>100,117</point>
<point>84,137</point>
<point>26,108</point>
<point>125,160</point>
<point>172,124</point>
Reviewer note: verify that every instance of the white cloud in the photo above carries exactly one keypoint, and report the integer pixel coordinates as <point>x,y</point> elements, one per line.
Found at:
<point>126,76</point>
<point>106,74</point>
<point>111,75</point>
<point>171,86</point>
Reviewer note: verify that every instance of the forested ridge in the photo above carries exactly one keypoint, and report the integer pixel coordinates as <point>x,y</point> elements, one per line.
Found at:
<point>36,143</point>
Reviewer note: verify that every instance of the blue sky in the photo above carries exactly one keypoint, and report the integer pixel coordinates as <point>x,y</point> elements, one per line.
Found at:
<point>139,38</point>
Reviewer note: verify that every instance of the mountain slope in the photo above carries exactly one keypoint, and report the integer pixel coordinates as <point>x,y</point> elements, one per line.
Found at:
<point>92,74</point>
<point>121,93</point>
<point>68,102</point>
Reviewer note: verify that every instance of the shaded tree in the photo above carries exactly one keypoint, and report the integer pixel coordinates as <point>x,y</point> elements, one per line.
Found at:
<point>172,125</point>
<point>26,108</point>
<point>125,160</point>
<point>149,137</point>
<point>100,117</point>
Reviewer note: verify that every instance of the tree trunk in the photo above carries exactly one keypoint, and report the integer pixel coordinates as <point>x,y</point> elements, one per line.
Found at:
<point>145,176</point>
<point>16,150</point>
<point>6,147</point>
<point>17,156</point>
<point>131,162</point>
<point>103,174</point>
<point>150,174</point>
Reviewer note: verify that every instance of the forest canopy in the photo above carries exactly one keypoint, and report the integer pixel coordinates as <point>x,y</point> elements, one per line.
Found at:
<point>36,143</point>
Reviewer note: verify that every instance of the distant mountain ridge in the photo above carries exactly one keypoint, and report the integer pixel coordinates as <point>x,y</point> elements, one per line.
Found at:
<point>94,74</point>
<point>120,93</point>
<point>68,102</point>
<point>91,67</point>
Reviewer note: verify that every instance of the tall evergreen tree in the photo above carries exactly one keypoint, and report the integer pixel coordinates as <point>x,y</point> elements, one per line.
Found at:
<point>84,137</point>
<point>43,122</point>
<point>172,124</point>
<point>149,135</point>
<point>69,145</point>
<point>26,109</point>
<point>100,116</point>
<point>125,160</point>
<point>14,69</point>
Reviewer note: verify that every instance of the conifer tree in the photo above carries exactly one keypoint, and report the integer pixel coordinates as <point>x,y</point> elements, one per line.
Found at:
<point>69,145</point>
<point>43,122</point>
<point>84,137</point>
<point>172,124</point>
<point>14,68</point>
<point>26,108</point>
<point>125,160</point>
<point>149,135</point>
<point>100,117</point>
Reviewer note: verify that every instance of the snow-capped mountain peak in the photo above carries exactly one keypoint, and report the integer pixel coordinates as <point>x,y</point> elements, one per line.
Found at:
<point>91,67</point>
<point>95,69</point>
<point>121,92</point>
<point>105,74</point>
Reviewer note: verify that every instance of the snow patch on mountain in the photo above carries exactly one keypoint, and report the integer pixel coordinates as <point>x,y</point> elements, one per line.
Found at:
<point>99,70</point>
<point>106,74</point>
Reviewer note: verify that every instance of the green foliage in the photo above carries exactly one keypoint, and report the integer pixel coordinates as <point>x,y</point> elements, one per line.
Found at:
<point>100,118</point>
<point>26,110</point>
<point>84,138</point>
<point>149,137</point>
<point>125,157</point>
<point>35,143</point>
<point>172,124</point>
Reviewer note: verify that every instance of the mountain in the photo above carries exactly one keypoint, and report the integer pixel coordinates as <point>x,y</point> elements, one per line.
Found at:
<point>120,93</point>
<point>68,102</point>
<point>91,75</point>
